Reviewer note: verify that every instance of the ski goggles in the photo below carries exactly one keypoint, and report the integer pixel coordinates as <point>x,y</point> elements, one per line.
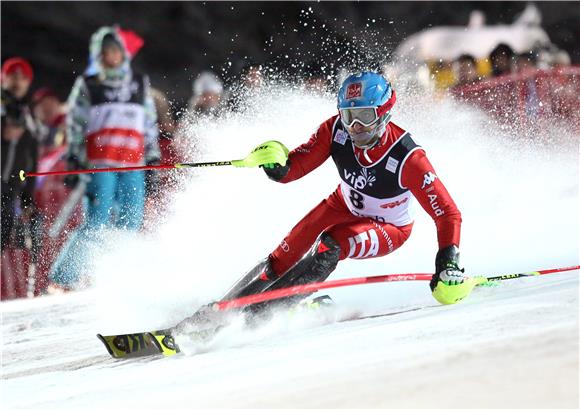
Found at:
<point>365,116</point>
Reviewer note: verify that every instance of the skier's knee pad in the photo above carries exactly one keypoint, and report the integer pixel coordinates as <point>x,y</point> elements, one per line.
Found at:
<point>319,263</point>
<point>315,266</point>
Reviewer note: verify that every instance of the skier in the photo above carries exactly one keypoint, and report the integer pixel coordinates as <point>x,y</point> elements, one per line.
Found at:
<point>382,172</point>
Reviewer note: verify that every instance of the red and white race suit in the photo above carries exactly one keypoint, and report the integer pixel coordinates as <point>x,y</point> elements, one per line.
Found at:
<point>370,212</point>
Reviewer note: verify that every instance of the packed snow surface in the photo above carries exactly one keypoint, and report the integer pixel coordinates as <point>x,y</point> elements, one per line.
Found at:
<point>514,345</point>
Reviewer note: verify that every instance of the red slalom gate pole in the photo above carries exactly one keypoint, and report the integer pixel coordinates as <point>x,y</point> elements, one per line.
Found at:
<point>313,287</point>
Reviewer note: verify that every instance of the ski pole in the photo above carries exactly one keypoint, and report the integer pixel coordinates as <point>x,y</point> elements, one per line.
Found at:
<point>23,175</point>
<point>534,273</point>
<point>268,152</point>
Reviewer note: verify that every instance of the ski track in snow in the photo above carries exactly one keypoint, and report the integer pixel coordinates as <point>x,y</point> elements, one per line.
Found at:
<point>515,345</point>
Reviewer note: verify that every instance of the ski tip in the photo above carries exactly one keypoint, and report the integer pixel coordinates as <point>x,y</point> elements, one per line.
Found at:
<point>131,345</point>
<point>22,175</point>
<point>102,339</point>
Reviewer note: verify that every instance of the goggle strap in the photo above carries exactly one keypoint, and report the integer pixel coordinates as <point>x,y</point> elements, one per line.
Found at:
<point>386,107</point>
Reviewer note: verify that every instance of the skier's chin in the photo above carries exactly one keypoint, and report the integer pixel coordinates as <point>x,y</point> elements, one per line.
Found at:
<point>363,141</point>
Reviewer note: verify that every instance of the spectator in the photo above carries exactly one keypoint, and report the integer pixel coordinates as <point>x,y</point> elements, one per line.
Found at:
<point>207,94</point>
<point>166,125</point>
<point>19,146</point>
<point>501,60</point>
<point>111,123</point>
<point>253,76</point>
<point>442,74</point>
<point>51,117</point>
<point>465,68</point>
<point>250,82</point>
<point>525,61</point>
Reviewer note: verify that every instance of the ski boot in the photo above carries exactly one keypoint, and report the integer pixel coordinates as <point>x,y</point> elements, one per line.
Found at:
<point>315,266</point>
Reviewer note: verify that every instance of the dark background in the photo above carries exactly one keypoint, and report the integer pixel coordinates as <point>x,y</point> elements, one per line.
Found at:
<point>182,38</point>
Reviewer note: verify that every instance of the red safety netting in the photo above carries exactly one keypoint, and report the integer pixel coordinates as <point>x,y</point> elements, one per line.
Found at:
<point>50,195</point>
<point>529,99</point>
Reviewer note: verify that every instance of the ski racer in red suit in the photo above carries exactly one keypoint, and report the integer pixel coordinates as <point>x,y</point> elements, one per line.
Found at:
<point>382,172</point>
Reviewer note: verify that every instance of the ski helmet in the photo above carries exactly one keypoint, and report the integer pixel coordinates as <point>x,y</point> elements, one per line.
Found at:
<point>367,99</point>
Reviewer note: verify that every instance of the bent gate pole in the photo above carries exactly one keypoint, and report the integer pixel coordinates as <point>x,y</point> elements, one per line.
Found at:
<point>313,287</point>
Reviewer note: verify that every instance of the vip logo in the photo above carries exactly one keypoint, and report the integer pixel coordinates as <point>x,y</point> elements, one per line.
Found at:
<point>354,90</point>
<point>360,181</point>
<point>428,179</point>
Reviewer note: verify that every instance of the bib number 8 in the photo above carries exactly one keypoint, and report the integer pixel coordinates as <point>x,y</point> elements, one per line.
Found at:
<point>356,199</point>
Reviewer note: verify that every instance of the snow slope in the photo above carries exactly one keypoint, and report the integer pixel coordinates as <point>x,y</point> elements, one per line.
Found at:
<point>515,345</point>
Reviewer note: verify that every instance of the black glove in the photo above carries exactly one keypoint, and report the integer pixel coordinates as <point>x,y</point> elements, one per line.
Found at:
<point>447,267</point>
<point>276,171</point>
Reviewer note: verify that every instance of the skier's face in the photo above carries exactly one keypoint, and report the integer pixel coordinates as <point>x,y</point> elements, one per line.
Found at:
<point>364,136</point>
<point>363,125</point>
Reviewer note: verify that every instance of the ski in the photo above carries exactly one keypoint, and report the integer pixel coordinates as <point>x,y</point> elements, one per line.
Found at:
<point>156,342</point>
<point>124,346</point>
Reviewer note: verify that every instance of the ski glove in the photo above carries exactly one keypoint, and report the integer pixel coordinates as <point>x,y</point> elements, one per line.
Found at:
<point>449,285</point>
<point>272,156</point>
<point>269,152</point>
<point>452,276</point>
<point>276,171</point>
<point>447,267</point>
